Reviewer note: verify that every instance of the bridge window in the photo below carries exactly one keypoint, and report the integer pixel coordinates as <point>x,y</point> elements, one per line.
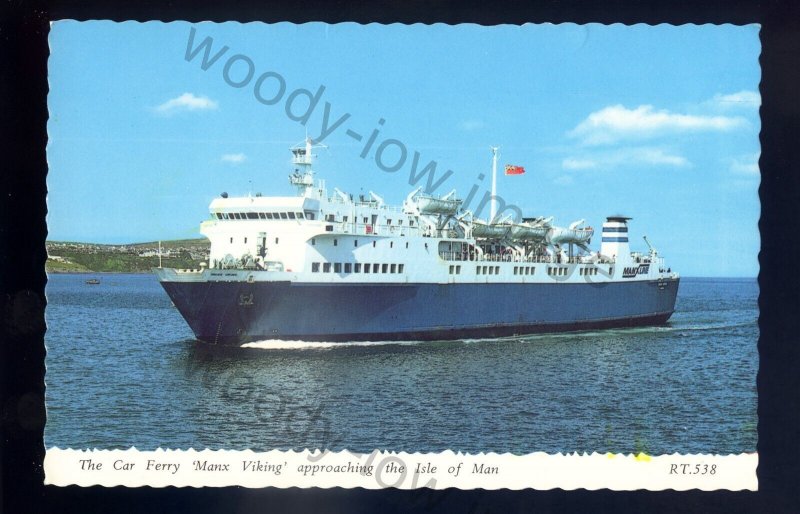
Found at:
<point>326,267</point>
<point>309,215</point>
<point>252,215</point>
<point>291,216</point>
<point>358,267</point>
<point>337,267</point>
<point>452,268</point>
<point>262,215</point>
<point>276,216</point>
<point>299,215</point>
<point>366,267</point>
<point>394,268</point>
<point>344,219</point>
<point>219,216</point>
<point>284,216</point>
<point>400,268</point>
<point>268,215</point>
<point>458,269</point>
<point>384,268</point>
<point>314,267</point>
<point>348,267</point>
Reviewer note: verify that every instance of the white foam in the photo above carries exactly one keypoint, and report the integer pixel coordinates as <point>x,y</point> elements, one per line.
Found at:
<point>279,344</point>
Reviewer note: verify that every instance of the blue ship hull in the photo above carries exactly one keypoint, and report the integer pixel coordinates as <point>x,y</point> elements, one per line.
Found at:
<point>239,312</point>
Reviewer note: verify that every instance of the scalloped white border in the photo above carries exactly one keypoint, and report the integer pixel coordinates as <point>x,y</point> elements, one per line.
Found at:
<point>539,470</point>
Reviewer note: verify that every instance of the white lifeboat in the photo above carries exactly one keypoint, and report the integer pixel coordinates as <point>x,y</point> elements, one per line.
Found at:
<point>483,229</point>
<point>447,204</point>
<point>575,234</point>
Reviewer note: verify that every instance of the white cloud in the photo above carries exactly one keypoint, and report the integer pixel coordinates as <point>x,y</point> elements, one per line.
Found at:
<point>186,102</point>
<point>234,158</point>
<point>746,165</point>
<point>609,159</point>
<point>469,125</point>
<point>572,163</point>
<point>563,180</point>
<point>743,99</point>
<point>657,156</point>
<point>617,122</point>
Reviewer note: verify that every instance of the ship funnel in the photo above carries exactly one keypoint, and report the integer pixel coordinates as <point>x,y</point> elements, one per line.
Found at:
<point>615,238</point>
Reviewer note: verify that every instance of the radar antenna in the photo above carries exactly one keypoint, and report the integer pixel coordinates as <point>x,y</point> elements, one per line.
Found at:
<point>302,160</point>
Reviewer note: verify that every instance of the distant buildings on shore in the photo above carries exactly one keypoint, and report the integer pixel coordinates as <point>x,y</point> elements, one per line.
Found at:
<point>197,250</point>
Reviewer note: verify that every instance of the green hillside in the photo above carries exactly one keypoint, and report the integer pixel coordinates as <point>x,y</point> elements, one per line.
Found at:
<point>75,257</point>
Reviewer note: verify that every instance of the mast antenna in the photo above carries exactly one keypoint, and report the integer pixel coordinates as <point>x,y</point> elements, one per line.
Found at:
<point>493,203</point>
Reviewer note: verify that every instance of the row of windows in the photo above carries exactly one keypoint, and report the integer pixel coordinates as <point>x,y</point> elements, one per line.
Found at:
<point>245,240</point>
<point>556,272</point>
<point>356,267</point>
<point>355,243</point>
<point>524,270</point>
<point>264,215</point>
<point>365,220</point>
<point>588,271</point>
<point>455,269</point>
<point>487,270</point>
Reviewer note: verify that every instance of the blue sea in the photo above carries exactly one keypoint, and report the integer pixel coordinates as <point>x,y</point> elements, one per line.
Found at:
<point>123,370</point>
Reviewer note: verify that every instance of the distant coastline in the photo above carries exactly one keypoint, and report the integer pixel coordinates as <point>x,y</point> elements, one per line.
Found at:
<point>86,258</point>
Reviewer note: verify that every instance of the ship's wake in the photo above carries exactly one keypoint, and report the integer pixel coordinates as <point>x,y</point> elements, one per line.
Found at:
<point>279,344</point>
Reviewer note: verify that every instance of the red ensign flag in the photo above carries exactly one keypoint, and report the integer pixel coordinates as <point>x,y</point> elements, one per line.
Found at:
<point>514,170</point>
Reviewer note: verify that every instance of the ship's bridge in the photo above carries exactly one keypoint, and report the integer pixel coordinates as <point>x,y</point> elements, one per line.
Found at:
<point>265,208</point>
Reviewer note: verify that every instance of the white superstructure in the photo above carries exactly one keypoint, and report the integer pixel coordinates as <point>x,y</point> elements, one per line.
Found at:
<point>332,236</point>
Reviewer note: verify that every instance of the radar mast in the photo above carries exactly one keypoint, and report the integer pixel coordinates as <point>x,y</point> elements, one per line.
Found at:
<point>302,159</point>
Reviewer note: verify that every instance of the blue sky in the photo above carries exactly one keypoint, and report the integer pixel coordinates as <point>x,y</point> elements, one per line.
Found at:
<point>658,123</point>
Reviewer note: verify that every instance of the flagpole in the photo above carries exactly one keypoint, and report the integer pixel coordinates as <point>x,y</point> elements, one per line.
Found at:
<point>493,203</point>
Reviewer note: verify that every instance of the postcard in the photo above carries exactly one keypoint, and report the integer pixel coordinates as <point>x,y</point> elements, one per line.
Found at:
<point>403,256</point>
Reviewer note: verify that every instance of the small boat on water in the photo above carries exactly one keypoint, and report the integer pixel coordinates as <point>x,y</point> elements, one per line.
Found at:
<point>93,281</point>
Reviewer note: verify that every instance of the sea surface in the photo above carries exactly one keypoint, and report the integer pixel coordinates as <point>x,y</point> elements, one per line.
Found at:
<point>123,370</point>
